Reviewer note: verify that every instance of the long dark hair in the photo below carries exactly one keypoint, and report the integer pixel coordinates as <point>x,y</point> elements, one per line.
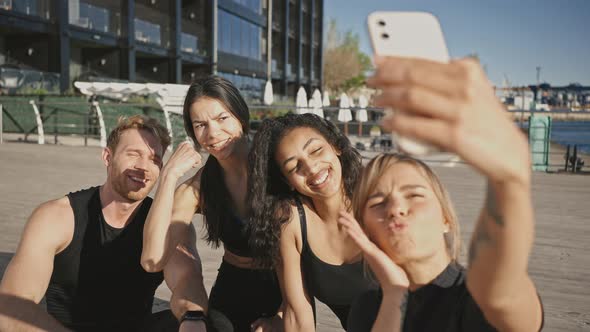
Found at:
<point>270,196</point>
<point>213,193</point>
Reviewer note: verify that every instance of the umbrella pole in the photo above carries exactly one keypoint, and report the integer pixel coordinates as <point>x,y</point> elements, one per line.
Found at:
<point>346,128</point>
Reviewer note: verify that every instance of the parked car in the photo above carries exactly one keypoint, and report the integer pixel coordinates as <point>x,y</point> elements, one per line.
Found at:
<point>382,143</point>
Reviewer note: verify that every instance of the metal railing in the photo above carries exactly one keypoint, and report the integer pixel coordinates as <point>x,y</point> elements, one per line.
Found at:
<point>80,119</point>
<point>14,80</point>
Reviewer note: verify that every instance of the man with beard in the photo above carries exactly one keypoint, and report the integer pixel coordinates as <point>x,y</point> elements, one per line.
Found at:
<point>82,252</point>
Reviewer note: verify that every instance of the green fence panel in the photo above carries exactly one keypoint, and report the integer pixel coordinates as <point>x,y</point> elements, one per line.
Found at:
<point>539,141</point>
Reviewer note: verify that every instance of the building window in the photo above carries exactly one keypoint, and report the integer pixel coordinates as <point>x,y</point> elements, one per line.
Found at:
<point>147,32</point>
<point>239,37</point>
<point>28,7</point>
<point>254,5</point>
<point>93,17</point>
<point>251,88</point>
<point>189,43</point>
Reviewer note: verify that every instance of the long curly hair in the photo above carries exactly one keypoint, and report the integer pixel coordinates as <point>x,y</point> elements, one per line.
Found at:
<point>213,194</point>
<point>270,196</point>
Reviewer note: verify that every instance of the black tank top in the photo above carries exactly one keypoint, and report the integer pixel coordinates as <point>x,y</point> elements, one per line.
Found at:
<point>98,283</point>
<point>335,285</point>
<point>235,236</point>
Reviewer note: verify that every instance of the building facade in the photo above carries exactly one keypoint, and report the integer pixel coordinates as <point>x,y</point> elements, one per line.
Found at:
<point>49,44</point>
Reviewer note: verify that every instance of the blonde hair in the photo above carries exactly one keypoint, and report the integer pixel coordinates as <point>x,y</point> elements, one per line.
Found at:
<point>373,172</point>
<point>138,122</point>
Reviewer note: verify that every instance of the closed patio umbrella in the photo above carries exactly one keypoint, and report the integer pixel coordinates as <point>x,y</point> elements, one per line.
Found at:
<point>344,114</point>
<point>301,101</point>
<point>326,98</point>
<point>268,95</point>
<point>361,113</point>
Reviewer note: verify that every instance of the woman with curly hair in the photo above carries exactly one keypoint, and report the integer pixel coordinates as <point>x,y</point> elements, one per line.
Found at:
<point>302,173</point>
<point>216,118</point>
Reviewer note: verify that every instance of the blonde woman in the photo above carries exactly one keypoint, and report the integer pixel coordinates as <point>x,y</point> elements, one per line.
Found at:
<point>411,234</point>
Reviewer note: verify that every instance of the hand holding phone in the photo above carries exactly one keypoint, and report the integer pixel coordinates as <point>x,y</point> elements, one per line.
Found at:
<point>408,34</point>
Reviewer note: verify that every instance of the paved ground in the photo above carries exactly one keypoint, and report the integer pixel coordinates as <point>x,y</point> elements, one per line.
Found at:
<point>560,263</point>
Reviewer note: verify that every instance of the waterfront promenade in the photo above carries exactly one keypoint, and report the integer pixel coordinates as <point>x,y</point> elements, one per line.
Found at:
<point>560,262</point>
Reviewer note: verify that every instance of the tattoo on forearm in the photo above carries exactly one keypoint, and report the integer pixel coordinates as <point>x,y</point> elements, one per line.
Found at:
<point>492,207</point>
<point>482,235</point>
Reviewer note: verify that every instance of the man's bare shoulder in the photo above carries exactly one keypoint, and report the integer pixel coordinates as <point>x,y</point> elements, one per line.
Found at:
<point>52,220</point>
<point>55,209</point>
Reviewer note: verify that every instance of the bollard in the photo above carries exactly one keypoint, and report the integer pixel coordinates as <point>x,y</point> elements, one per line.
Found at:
<point>86,123</point>
<point>567,157</point>
<point>575,159</point>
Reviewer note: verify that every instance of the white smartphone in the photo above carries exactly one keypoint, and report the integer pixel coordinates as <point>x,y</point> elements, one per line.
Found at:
<point>408,34</point>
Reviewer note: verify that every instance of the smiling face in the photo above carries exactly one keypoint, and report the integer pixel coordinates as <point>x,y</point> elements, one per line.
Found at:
<point>403,215</point>
<point>216,129</point>
<point>133,168</point>
<point>309,163</point>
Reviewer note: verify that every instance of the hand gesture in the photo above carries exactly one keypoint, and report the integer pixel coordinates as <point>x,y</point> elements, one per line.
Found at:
<point>453,106</point>
<point>182,160</point>
<point>391,277</point>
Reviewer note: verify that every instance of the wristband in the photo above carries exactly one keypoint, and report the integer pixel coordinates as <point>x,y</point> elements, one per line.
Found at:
<point>194,315</point>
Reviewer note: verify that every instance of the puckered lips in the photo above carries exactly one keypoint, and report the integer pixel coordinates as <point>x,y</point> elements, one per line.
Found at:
<point>397,225</point>
<point>320,179</point>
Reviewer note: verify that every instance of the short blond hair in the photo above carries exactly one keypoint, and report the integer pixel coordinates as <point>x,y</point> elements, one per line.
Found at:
<point>142,122</point>
<point>373,172</point>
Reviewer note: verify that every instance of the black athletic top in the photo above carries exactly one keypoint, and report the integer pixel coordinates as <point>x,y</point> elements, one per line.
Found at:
<point>335,285</point>
<point>443,305</point>
<point>98,283</point>
<point>235,236</point>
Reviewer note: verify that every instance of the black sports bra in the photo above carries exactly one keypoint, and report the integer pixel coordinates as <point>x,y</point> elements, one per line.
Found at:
<point>335,285</point>
<point>235,237</point>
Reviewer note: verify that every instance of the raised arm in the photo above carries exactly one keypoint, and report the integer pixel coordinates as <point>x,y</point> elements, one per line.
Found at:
<point>298,312</point>
<point>48,231</point>
<point>454,107</point>
<point>172,211</point>
<point>184,276</point>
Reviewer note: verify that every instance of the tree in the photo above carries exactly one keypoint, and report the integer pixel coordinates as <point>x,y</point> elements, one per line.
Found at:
<point>344,63</point>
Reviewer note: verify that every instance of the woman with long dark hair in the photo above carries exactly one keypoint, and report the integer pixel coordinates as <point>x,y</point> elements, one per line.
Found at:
<point>216,118</point>
<point>302,173</point>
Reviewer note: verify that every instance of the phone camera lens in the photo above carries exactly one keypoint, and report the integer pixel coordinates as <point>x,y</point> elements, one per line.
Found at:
<point>381,23</point>
<point>385,36</point>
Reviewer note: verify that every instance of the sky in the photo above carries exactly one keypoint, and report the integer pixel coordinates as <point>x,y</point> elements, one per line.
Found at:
<point>511,37</point>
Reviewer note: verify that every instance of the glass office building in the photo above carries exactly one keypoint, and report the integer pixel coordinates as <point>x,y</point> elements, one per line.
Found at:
<point>161,41</point>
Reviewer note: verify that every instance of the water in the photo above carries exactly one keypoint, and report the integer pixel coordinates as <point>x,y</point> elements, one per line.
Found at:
<point>572,132</point>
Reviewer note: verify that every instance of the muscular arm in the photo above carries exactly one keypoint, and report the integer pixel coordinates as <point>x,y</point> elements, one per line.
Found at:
<point>298,312</point>
<point>183,275</point>
<point>498,258</point>
<point>48,231</point>
<point>168,220</point>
